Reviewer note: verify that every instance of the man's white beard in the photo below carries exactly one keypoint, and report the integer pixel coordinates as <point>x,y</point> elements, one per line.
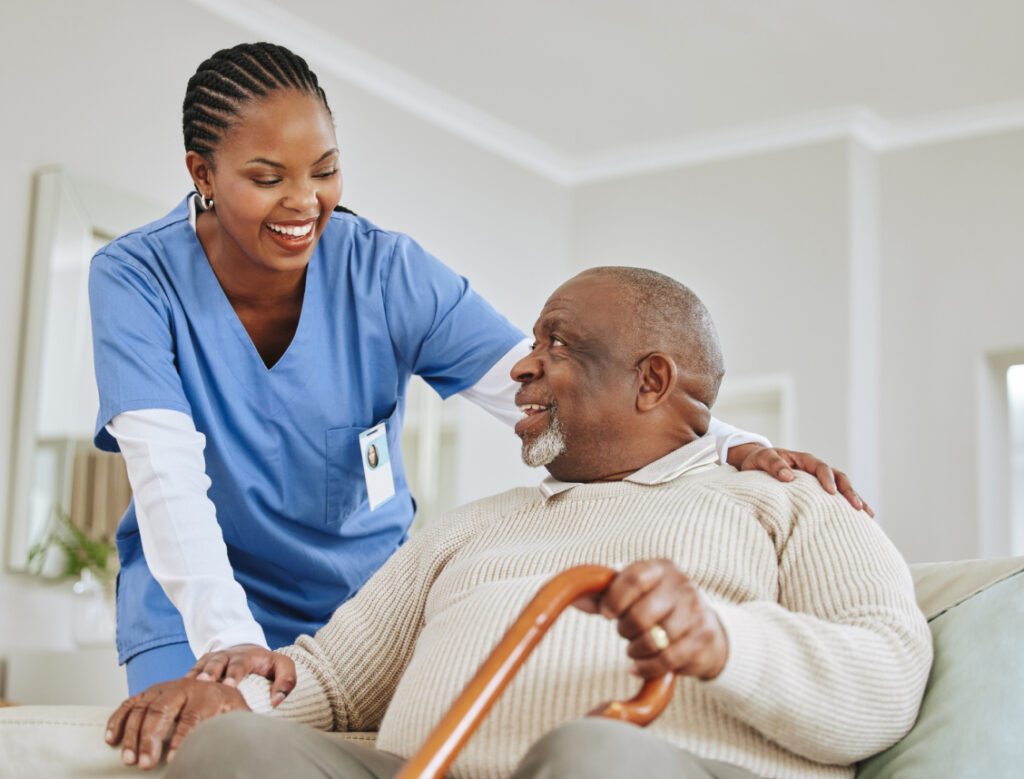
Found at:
<point>548,445</point>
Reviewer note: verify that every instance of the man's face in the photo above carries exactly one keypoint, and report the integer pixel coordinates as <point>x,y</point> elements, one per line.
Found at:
<point>578,392</point>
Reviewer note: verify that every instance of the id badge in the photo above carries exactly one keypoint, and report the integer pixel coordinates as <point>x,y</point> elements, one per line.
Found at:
<point>380,481</point>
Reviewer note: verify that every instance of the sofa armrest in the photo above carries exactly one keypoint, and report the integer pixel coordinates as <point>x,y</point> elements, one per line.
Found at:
<point>67,741</point>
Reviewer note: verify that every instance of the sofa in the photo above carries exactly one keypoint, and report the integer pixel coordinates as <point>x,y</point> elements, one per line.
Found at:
<point>971,722</point>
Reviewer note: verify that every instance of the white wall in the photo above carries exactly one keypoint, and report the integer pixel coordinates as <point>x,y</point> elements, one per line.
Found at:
<point>97,87</point>
<point>953,283</point>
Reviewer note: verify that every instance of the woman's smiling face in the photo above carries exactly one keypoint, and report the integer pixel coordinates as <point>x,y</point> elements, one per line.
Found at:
<point>275,181</point>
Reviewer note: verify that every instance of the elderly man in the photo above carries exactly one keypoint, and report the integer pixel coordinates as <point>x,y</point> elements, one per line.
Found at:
<point>789,617</point>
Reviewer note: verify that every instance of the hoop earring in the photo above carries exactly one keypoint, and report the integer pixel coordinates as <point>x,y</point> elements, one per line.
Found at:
<point>207,203</point>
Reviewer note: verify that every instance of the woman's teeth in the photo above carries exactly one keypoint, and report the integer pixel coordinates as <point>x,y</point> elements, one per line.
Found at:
<point>294,232</point>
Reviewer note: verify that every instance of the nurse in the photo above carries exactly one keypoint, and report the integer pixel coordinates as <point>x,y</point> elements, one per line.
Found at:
<point>250,348</point>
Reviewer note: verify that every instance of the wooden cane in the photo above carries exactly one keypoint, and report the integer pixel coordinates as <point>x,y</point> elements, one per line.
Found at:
<point>445,741</point>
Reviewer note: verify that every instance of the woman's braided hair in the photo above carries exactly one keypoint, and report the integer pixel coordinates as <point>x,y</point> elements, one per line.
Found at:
<point>233,77</point>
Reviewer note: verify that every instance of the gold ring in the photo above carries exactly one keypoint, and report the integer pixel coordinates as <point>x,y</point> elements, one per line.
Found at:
<point>659,637</point>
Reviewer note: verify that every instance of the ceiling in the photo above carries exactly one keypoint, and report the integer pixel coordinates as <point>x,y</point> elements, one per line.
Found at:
<point>572,88</point>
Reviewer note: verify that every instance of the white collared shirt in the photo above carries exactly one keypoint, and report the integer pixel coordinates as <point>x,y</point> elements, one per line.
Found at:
<point>694,457</point>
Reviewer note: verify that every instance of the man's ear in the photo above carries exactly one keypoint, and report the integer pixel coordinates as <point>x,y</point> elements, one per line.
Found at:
<point>201,171</point>
<point>657,380</point>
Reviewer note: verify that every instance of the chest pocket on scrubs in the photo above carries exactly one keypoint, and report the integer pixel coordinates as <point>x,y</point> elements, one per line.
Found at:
<point>346,483</point>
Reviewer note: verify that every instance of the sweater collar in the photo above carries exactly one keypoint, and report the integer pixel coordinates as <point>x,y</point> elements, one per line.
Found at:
<point>698,455</point>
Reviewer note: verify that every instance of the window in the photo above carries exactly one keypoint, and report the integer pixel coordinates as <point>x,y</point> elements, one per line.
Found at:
<point>759,403</point>
<point>1015,402</point>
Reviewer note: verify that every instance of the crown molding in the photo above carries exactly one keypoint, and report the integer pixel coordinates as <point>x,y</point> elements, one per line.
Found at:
<point>269,21</point>
<point>951,125</point>
<point>855,123</point>
<point>818,127</point>
<point>386,82</point>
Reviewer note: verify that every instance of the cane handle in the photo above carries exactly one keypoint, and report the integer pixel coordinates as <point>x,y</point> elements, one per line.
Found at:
<point>445,741</point>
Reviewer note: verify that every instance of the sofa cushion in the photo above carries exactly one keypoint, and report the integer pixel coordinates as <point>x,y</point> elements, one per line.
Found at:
<point>941,586</point>
<point>969,724</point>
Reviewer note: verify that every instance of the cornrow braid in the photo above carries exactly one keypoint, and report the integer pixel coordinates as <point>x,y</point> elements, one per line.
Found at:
<point>233,77</point>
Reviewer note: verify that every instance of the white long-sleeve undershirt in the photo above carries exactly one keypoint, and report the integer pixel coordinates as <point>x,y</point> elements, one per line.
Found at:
<point>181,539</point>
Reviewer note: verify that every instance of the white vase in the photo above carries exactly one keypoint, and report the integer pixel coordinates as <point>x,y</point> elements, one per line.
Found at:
<point>93,612</point>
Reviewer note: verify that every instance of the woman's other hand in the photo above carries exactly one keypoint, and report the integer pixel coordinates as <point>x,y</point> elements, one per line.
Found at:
<point>141,722</point>
<point>233,664</point>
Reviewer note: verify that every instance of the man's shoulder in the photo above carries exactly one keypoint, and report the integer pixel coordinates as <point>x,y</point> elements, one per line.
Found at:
<point>801,499</point>
<point>758,485</point>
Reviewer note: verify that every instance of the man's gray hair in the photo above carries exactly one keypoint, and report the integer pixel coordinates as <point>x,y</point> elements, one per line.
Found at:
<point>670,318</point>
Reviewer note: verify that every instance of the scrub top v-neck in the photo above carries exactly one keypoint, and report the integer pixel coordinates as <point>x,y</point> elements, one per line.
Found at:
<point>296,363</point>
<point>282,448</point>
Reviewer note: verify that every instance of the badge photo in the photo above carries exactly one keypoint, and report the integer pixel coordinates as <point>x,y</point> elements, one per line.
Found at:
<point>380,480</point>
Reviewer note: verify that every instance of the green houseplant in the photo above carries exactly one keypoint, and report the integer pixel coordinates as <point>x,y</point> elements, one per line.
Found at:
<point>80,553</point>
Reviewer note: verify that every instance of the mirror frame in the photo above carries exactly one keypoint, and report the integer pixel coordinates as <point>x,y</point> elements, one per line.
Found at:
<point>93,208</point>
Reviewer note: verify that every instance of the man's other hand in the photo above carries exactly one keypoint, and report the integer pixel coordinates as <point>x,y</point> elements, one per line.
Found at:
<point>687,637</point>
<point>231,665</point>
<point>142,722</point>
<point>781,462</point>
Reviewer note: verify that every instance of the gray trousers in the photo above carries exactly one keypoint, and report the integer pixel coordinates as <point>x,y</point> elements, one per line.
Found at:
<point>242,744</point>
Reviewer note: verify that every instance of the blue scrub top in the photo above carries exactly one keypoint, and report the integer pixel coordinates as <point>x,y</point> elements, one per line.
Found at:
<point>282,448</point>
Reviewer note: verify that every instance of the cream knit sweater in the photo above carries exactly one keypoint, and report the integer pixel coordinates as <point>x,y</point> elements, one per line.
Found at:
<point>828,652</point>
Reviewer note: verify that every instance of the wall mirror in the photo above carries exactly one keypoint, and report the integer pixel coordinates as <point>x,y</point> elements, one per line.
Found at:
<point>55,471</point>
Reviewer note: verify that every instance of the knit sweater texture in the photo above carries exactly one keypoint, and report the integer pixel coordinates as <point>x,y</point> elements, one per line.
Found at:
<point>828,651</point>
